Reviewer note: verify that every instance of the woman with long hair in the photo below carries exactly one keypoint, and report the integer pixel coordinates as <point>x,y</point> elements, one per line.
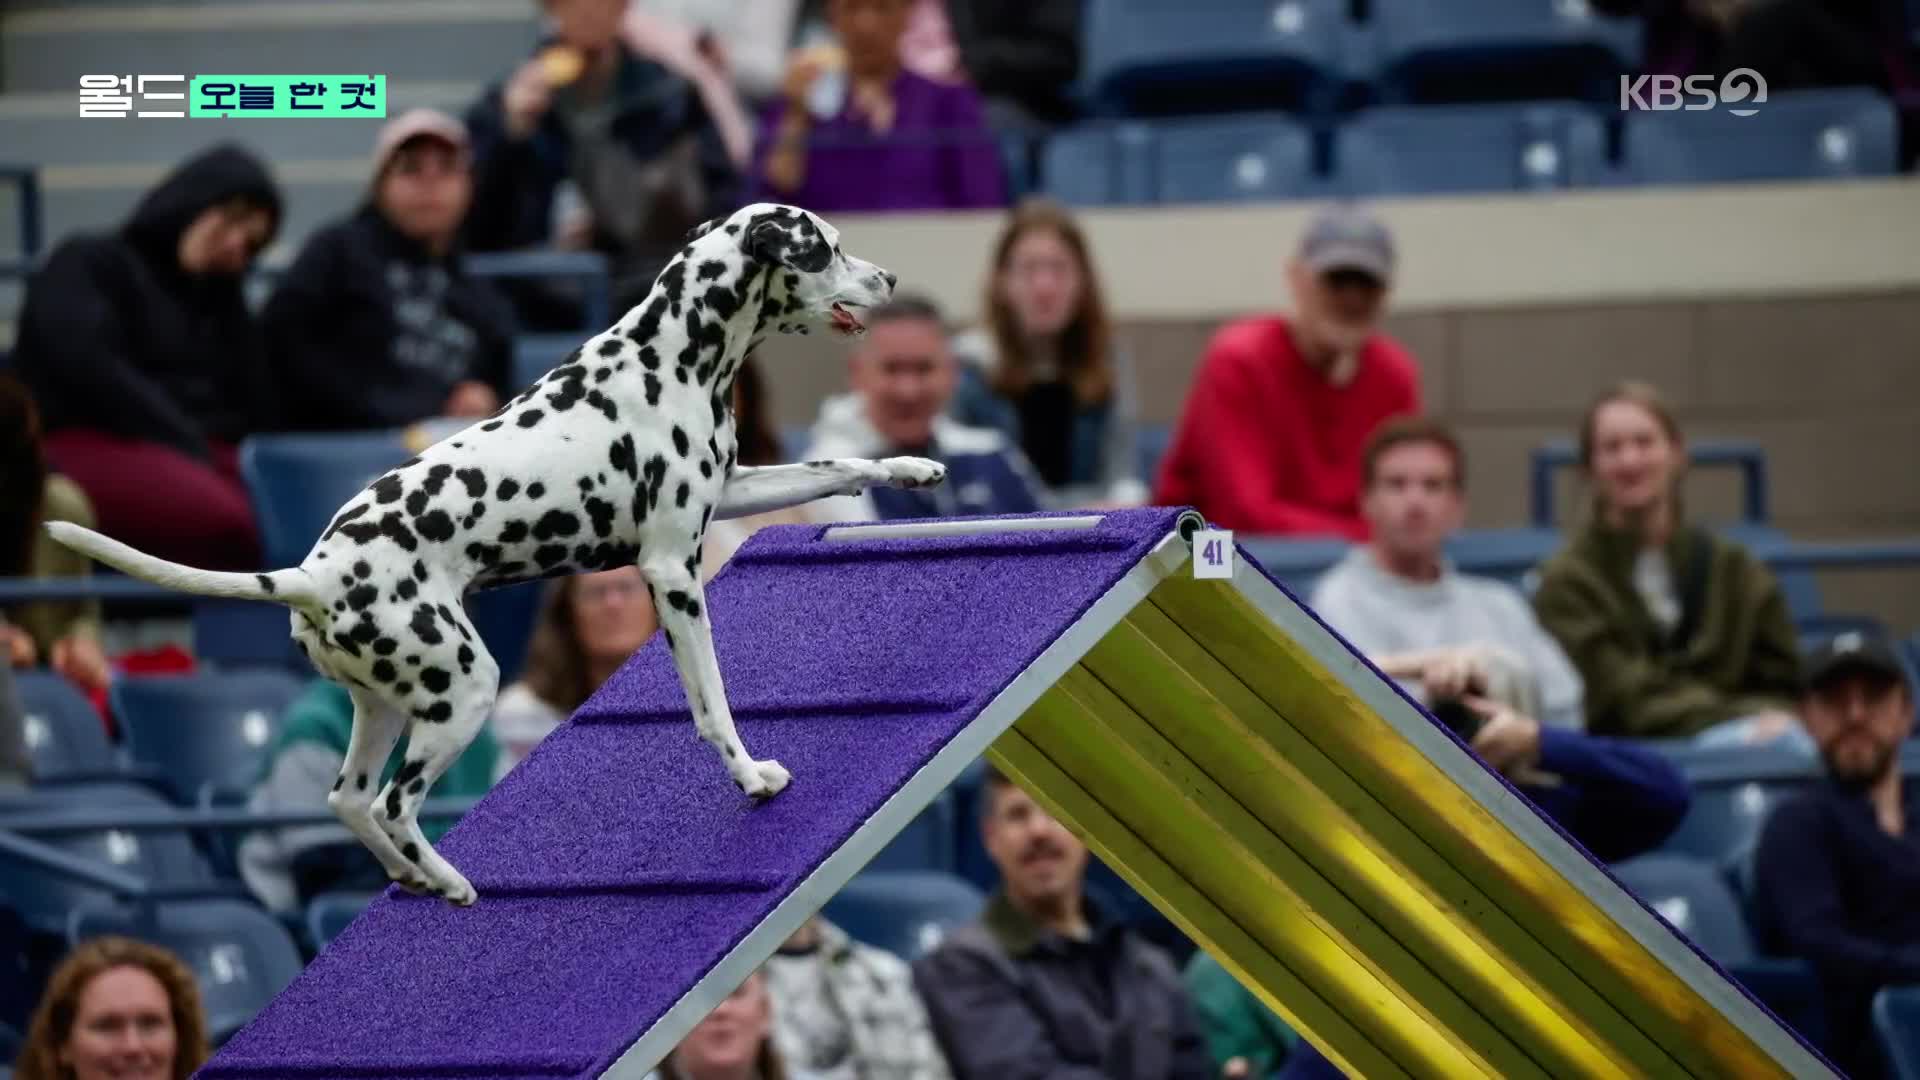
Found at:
<point>733,1042</point>
<point>1677,631</point>
<point>118,1008</point>
<point>1045,369</point>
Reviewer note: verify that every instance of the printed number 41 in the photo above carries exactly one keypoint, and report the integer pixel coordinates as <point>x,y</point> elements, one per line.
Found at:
<point>1215,549</point>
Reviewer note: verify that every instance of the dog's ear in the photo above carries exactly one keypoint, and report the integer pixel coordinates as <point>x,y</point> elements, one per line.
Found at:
<point>792,242</point>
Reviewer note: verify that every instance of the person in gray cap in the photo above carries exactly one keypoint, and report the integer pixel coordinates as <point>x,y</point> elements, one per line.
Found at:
<point>1282,406</point>
<point>1837,869</point>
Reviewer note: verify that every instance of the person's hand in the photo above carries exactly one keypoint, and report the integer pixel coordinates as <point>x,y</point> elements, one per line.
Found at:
<point>80,659</point>
<point>471,398</point>
<point>1509,741</point>
<point>1453,673</point>
<point>802,69</point>
<point>527,95</point>
<point>877,105</point>
<point>1237,1068</point>
<point>20,648</point>
<point>1770,725</point>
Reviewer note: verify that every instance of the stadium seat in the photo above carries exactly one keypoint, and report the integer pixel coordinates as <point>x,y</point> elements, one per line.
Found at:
<point>329,913</point>
<point>903,911</point>
<point>536,354</point>
<point>1246,158</point>
<point>66,737</point>
<point>1733,792</point>
<point>1099,164</point>
<point>1164,59</point>
<point>927,843</point>
<point>298,482</point>
<point>209,733</point>
<point>1797,135</point>
<point>1435,51</point>
<point>165,860</point>
<point>240,955</point>
<point>1896,1025</point>
<point>1441,149</point>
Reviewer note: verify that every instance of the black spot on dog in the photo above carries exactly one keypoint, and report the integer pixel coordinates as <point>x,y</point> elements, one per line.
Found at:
<point>602,513</point>
<point>491,425</point>
<point>709,270</point>
<point>420,571</point>
<point>339,605</point>
<point>693,608</point>
<point>437,713</point>
<point>407,589</point>
<point>598,400</point>
<point>417,503</point>
<point>360,532</point>
<point>361,782</point>
<point>436,526</point>
<point>361,597</point>
<point>549,556</point>
<point>506,489</point>
<point>484,554</point>
<point>601,375</point>
<point>435,680</point>
<point>680,443</point>
<point>475,480</point>
<point>424,625</point>
<point>650,358</point>
<point>396,530</point>
<point>536,489</point>
<point>385,646</point>
<point>361,570</point>
<point>447,614</point>
<point>672,284</point>
<point>621,456</point>
<point>384,671</point>
<point>677,600</point>
<point>266,583</point>
<point>337,781</point>
<point>466,659</point>
<point>706,469</point>
<point>680,495</point>
<point>610,348</point>
<point>416,788</point>
<point>364,631</point>
<point>514,532</point>
<point>388,489</point>
<point>555,523</point>
<point>652,383</point>
<point>346,515</point>
<point>346,644</point>
<point>586,485</point>
<point>411,851</point>
<point>724,301</point>
<point>436,478</point>
<point>530,418</point>
<point>403,687</point>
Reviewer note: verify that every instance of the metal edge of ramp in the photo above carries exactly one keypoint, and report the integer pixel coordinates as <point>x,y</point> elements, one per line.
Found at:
<point>1356,868</point>
<point>831,875</point>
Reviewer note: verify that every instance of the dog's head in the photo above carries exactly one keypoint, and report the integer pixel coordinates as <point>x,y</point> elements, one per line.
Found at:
<point>814,282</point>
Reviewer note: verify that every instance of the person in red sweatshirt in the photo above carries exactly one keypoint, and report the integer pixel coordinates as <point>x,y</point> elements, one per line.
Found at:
<point>1281,407</point>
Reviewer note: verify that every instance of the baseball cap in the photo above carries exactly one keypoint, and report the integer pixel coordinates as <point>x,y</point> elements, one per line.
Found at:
<point>413,124</point>
<point>1348,237</point>
<point>1852,650</point>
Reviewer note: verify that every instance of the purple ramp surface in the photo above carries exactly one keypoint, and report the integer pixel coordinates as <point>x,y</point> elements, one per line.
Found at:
<point>617,864</point>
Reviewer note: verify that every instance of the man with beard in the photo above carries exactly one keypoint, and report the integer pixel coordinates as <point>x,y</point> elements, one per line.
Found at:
<point>1837,871</point>
<point>1046,984</point>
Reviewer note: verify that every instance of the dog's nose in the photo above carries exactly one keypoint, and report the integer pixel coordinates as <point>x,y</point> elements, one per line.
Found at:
<point>891,279</point>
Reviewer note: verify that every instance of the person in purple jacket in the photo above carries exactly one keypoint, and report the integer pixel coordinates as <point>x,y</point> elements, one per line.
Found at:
<point>854,131</point>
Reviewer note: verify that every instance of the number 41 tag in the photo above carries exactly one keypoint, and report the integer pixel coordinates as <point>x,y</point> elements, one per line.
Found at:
<point>1213,553</point>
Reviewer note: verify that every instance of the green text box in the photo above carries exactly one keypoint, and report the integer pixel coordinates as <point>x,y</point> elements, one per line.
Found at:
<point>280,97</point>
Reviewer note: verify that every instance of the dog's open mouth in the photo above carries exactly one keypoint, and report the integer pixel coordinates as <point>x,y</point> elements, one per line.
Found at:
<point>846,322</point>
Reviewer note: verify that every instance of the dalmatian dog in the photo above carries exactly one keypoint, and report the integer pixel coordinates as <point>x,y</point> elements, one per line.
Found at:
<point>619,456</point>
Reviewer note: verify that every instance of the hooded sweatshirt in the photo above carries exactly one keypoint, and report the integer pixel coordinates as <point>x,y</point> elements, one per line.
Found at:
<point>115,336</point>
<point>370,330</point>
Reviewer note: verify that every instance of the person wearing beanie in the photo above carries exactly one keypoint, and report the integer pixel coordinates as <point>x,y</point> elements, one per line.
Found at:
<point>377,324</point>
<point>147,366</point>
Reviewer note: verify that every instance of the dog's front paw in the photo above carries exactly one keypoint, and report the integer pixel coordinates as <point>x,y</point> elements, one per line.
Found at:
<point>913,472</point>
<point>765,779</point>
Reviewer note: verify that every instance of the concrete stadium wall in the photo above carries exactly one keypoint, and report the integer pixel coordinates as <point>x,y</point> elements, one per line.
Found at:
<point>1784,314</point>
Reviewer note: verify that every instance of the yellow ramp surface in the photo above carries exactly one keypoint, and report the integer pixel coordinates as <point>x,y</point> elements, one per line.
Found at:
<point>1371,881</point>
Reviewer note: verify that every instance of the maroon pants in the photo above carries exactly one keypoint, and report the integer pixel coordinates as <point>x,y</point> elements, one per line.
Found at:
<point>162,501</point>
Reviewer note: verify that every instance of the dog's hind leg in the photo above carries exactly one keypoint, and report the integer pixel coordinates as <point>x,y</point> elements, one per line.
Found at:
<point>681,605</point>
<point>452,696</point>
<point>376,728</point>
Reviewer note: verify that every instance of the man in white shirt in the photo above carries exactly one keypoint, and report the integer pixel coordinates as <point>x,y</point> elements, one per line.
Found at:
<point>1445,636</point>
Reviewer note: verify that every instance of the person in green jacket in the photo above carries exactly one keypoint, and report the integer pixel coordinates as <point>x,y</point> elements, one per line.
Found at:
<point>1247,1040</point>
<point>286,867</point>
<point>1677,632</point>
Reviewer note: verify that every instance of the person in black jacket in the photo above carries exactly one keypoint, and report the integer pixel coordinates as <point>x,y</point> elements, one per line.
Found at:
<point>376,324</point>
<point>633,137</point>
<point>146,363</point>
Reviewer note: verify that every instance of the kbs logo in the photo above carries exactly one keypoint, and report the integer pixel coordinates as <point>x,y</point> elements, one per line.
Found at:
<point>1664,93</point>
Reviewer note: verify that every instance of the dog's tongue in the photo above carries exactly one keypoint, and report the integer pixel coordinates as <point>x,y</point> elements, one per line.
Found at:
<point>844,320</point>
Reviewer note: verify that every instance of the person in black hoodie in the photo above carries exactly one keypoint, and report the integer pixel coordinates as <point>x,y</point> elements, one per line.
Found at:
<point>376,324</point>
<point>146,363</point>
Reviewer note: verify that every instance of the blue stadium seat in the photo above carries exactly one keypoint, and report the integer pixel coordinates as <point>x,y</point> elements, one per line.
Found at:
<point>1896,1025</point>
<point>208,733</point>
<point>66,737</point>
<point>1734,790</point>
<point>1439,149</point>
<point>1245,158</point>
<point>1099,164</point>
<point>903,911</point>
<point>298,482</point>
<point>330,913</point>
<point>163,859</point>
<point>1497,50</point>
<point>536,354</point>
<point>240,955</point>
<point>927,843</point>
<point>1170,59</point>
<point>1798,135</point>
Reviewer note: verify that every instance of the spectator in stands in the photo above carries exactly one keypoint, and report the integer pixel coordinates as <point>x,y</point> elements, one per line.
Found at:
<point>115,1008</point>
<point>1836,872</point>
<point>1400,601</point>
<point>1614,798</point>
<point>1281,408</point>
<point>147,365</point>
<point>62,634</point>
<point>730,49</point>
<point>759,445</point>
<point>903,382</point>
<point>851,114</point>
<point>733,1042</point>
<point>1022,57</point>
<point>1045,370</point>
<point>1045,983</point>
<point>286,867</point>
<point>377,324</point>
<point>589,624</point>
<point>1677,632</point>
<point>1793,44</point>
<point>843,1008</point>
<point>635,139</point>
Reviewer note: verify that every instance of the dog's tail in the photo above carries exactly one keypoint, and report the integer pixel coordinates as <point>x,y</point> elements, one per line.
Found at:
<point>291,586</point>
